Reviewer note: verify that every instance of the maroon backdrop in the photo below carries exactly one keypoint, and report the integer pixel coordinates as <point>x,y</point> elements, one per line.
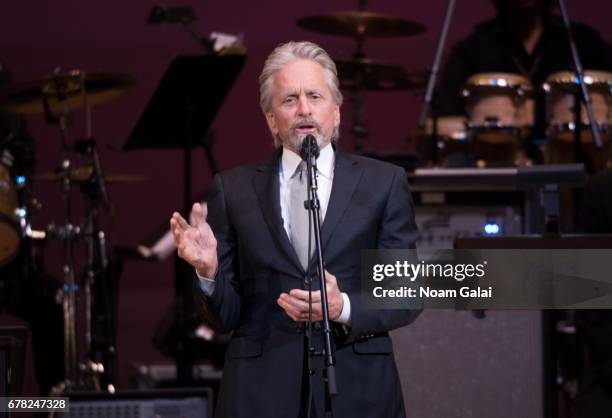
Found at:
<point>37,36</point>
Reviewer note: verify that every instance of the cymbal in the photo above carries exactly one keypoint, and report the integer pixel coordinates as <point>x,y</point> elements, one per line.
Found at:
<point>83,174</point>
<point>378,76</point>
<point>72,89</point>
<point>360,25</point>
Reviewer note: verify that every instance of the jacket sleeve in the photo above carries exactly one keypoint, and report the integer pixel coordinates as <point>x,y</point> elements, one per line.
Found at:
<point>221,309</point>
<point>396,230</point>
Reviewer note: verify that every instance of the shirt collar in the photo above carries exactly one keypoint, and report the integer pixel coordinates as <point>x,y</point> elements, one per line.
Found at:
<point>325,163</point>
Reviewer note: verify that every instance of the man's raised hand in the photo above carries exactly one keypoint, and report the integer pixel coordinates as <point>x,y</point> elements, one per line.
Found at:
<point>195,242</point>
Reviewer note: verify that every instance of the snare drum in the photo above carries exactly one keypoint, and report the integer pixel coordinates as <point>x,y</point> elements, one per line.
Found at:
<point>9,224</point>
<point>499,107</point>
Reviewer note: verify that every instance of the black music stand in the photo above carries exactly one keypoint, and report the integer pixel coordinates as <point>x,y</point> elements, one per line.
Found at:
<point>179,115</point>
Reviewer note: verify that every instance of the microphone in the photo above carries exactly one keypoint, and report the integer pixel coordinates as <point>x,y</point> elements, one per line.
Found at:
<point>309,147</point>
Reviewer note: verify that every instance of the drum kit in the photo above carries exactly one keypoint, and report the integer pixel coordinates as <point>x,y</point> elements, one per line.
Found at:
<point>499,107</point>
<point>87,361</point>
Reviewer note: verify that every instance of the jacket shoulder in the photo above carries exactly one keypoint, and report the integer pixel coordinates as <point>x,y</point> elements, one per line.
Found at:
<point>374,164</point>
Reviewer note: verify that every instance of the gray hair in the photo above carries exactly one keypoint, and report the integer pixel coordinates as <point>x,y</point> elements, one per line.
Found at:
<point>287,52</point>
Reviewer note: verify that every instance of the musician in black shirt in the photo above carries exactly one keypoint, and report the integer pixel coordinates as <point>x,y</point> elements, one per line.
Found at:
<point>524,38</point>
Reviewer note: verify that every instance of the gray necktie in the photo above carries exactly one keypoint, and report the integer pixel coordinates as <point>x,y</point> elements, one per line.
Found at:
<point>298,214</point>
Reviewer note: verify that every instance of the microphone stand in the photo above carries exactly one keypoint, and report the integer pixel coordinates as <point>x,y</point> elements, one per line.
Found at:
<point>431,84</point>
<point>310,152</point>
<point>580,80</point>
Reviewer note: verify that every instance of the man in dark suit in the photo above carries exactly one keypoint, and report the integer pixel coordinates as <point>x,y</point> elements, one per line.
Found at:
<point>252,258</point>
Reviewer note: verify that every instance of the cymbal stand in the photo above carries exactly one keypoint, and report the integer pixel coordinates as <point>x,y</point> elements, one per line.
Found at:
<point>67,233</point>
<point>97,260</point>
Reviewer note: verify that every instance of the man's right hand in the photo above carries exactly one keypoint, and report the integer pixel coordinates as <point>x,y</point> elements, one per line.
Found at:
<point>196,243</point>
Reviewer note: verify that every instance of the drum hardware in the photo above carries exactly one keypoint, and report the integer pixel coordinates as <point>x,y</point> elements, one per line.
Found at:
<point>581,84</point>
<point>360,74</point>
<point>70,90</point>
<point>83,174</point>
<point>457,145</point>
<point>360,25</point>
<point>57,96</point>
<point>429,106</point>
<point>375,75</point>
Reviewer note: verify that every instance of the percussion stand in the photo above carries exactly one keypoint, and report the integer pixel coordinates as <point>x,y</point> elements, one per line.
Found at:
<point>583,92</point>
<point>578,151</point>
<point>581,84</point>
<point>431,84</point>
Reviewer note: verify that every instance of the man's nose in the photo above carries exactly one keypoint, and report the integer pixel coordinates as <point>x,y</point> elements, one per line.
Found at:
<point>304,107</point>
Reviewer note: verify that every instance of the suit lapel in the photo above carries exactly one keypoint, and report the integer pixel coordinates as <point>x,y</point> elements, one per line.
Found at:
<point>267,189</point>
<point>347,174</point>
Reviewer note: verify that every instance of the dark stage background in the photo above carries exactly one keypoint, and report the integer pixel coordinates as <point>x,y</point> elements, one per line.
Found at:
<point>111,35</point>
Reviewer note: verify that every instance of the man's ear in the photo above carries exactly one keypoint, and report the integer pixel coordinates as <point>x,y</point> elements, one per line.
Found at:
<point>272,123</point>
<point>337,116</point>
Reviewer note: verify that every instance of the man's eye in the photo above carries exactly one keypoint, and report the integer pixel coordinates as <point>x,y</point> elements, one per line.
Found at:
<point>289,100</point>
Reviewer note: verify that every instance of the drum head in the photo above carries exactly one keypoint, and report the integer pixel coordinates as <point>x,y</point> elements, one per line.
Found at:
<point>497,83</point>
<point>566,80</point>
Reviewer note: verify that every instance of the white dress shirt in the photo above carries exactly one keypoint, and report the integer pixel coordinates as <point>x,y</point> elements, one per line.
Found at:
<point>325,176</point>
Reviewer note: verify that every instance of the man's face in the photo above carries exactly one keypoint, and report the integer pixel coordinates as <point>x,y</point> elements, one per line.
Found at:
<point>302,104</point>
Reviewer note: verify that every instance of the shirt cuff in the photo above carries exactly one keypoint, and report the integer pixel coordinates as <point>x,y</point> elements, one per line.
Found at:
<point>345,315</point>
<point>208,285</point>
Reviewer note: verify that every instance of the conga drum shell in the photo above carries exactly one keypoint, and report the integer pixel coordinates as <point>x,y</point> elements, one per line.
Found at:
<point>449,127</point>
<point>561,89</point>
<point>499,107</point>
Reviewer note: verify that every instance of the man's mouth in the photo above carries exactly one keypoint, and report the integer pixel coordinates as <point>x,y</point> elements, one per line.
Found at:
<point>305,128</point>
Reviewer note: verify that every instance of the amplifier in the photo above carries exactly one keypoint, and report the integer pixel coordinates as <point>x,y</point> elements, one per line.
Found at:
<point>159,403</point>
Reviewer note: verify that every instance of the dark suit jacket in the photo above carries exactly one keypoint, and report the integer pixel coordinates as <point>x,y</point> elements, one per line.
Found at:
<point>370,207</point>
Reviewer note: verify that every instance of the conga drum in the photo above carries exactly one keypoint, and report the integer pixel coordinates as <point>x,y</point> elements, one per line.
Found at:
<point>561,91</point>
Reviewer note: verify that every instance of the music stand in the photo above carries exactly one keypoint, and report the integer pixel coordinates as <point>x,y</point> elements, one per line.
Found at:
<point>179,115</point>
